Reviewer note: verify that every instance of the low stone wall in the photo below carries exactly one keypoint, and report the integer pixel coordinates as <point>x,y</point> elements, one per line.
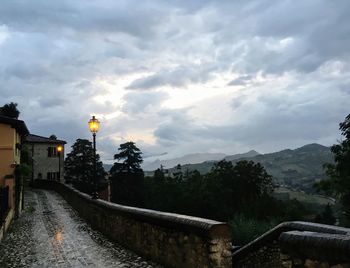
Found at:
<point>297,244</point>
<point>170,239</point>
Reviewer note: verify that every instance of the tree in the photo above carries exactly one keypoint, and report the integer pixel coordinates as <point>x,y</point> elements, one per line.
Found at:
<point>178,175</point>
<point>338,182</point>
<point>253,179</point>
<point>131,158</point>
<point>154,187</point>
<point>127,176</point>
<point>327,216</point>
<point>53,137</point>
<point>159,174</point>
<point>22,173</point>
<point>238,188</point>
<point>79,165</point>
<point>10,110</point>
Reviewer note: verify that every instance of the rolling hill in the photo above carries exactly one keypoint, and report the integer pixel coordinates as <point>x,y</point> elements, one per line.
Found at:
<point>298,169</point>
<point>186,159</point>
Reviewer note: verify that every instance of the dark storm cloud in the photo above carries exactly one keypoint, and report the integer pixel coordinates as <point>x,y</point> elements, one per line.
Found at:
<point>81,16</point>
<point>54,55</point>
<point>317,32</point>
<point>178,77</point>
<point>257,36</point>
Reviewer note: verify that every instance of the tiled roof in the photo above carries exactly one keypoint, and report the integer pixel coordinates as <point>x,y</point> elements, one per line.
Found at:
<point>19,125</point>
<point>31,138</point>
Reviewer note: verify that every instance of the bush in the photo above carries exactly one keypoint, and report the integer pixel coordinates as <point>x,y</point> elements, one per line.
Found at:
<point>245,229</point>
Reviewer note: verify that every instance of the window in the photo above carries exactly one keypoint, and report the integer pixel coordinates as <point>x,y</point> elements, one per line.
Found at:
<point>17,144</point>
<point>52,152</point>
<point>53,176</point>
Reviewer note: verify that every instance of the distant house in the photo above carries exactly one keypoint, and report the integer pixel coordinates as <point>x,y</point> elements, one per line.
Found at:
<point>12,133</point>
<point>48,157</point>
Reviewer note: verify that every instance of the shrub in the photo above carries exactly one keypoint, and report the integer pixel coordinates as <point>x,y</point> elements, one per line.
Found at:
<point>245,229</point>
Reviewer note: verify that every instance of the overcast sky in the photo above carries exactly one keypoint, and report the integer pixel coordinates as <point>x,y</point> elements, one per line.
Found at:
<point>179,76</point>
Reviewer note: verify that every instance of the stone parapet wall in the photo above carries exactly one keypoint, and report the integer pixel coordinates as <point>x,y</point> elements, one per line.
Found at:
<point>311,249</point>
<point>297,244</point>
<point>170,239</point>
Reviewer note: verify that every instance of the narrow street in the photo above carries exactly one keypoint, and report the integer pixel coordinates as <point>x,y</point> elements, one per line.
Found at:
<point>50,233</point>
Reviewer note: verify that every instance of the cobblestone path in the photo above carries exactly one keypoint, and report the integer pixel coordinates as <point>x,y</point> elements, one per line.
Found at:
<point>49,233</point>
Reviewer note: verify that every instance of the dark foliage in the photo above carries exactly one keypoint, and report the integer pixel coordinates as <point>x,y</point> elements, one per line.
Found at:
<point>22,173</point>
<point>53,137</point>
<point>326,217</point>
<point>126,175</point>
<point>228,190</point>
<point>79,167</point>
<point>10,110</point>
<point>131,159</point>
<point>338,183</point>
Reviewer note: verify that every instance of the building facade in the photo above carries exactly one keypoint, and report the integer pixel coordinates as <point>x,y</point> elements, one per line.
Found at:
<point>12,133</point>
<point>48,157</point>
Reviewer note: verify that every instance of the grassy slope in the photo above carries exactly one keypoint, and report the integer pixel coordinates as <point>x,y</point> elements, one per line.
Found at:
<point>284,193</point>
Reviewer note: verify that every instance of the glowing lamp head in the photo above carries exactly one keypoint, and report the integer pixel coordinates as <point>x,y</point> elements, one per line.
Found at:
<point>94,124</point>
<point>59,148</point>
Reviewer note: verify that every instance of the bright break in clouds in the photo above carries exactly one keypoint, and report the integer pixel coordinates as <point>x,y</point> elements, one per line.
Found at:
<point>179,76</point>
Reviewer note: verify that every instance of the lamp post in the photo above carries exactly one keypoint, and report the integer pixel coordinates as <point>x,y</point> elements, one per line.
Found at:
<point>94,126</point>
<point>59,151</point>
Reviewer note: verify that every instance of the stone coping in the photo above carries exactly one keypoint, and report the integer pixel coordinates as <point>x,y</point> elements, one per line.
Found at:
<point>319,246</point>
<point>275,233</point>
<point>201,226</point>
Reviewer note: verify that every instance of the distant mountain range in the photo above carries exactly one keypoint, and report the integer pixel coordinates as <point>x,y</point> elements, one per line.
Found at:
<point>251,153</point>
<point>197,158</point>
<point>186,159</point>
<point>298,169</point>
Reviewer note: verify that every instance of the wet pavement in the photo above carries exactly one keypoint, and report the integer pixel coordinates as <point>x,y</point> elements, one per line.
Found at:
<point>49,233</point>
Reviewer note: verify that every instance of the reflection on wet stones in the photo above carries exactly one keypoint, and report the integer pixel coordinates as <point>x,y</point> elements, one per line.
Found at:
<point>50,233</point>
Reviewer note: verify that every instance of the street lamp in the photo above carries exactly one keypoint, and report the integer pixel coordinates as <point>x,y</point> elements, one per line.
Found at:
<point>59,150</point>
<point>94,126</point>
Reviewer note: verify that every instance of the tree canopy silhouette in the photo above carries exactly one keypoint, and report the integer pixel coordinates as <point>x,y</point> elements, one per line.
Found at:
<point>79,166</point>
<point>127,176</point>
<point>338,183</point>
<point>10,110</point>
<point>131,158</point>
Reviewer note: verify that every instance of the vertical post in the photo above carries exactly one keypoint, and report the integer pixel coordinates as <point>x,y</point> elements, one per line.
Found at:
<point>95,193</point>
<point>59,166</point>
<point>59,150</point>
<point>32,162</point>
<point>94,125</point>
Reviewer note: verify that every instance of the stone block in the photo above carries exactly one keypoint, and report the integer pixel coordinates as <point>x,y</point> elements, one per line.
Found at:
<point>287,264</point>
